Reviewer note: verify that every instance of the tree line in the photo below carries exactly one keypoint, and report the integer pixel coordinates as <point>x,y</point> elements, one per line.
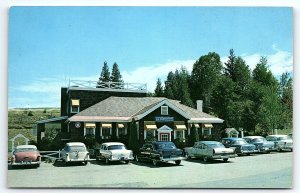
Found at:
<point>253,100</point>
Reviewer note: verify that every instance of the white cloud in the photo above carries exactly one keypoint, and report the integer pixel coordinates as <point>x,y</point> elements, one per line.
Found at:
<point>278,62</point>
<point>150,74</point>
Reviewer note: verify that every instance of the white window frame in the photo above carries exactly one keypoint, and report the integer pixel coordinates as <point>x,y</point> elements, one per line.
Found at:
<point>89,128</point>
<point>78,110</point>
<point>164,110</point>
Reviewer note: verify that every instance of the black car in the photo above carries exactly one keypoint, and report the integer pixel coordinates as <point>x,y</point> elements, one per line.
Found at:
<point>160,151</point>
<point>240,145</point>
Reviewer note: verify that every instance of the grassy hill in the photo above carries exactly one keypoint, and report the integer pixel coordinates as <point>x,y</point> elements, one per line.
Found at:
<point>23,121</point>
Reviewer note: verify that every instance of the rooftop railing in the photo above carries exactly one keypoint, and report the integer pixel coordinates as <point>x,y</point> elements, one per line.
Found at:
<point>108,85</point>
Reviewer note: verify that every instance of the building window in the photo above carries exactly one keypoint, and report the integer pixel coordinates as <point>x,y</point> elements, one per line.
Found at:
<point>121,131</point>
<point>164,110</point>
<point>105,132</point>
<point>89,131</point>
<point>179,134</point>
<point>164,137</point>
<point>75,105</point>
<point>206,131</point>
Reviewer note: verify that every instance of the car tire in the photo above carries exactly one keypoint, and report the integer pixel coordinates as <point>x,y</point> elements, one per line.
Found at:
<point>292,150</point>
<point>278,149</point>
<point>205,159</point>
<point>154,162</point>
<point>106,160</point>
<point>65,163</point>
<point>225,159</point>
<point>85,163</point>
<point>177,162</point>
<point>38,165</point>
<point>127,162</point>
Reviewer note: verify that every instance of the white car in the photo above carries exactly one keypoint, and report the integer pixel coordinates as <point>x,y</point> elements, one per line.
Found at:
<point>75,152</point>
<point>210,150</point>
<point>282,142</point>
<point>113,151</point>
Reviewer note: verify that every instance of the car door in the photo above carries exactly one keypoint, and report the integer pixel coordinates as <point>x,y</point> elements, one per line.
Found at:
<point>198,150</point>
<point>103,152</point>
<point>144,151</point>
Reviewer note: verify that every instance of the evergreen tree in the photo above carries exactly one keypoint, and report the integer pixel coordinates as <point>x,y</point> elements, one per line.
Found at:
<point>205,75</point>
<point>105,75</point>
<point>169,87</point>
<point>159,91</point>
<point>133,143</point>
<point>115,74</point>
<point>230,64</point>
<point>262,75</point>
<point>194,135</point>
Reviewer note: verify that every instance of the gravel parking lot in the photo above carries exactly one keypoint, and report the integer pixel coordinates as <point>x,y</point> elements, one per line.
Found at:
<point>274,170</point>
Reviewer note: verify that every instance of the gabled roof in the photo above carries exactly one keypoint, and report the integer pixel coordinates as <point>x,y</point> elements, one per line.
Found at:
<point>119,109</point>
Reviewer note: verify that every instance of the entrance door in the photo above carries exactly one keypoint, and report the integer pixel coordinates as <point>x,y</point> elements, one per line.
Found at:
<point>164,137</point>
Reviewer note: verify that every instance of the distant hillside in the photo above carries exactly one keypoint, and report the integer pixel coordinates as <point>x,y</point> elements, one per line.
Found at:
<point>25,118</point>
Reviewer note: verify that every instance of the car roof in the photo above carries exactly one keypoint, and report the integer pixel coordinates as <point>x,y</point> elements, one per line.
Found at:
<point>26,146</point>
<point>112,143</point>
<point>233,138</point>
<point>75,144</point>
<point>252,137</point>
<point>208,142</point>
<point>277,135</point>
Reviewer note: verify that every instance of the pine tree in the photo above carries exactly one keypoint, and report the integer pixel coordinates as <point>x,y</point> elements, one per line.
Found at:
<point>194,135</point>
<point>159,91</point>
<point>115,74</point>
<point>105,75</point>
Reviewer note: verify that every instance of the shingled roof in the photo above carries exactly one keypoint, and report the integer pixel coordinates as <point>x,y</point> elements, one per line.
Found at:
<point>114,109</point>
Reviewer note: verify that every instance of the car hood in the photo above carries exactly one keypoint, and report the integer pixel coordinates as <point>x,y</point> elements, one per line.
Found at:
<point>21,156</point>
<point>223,150</point>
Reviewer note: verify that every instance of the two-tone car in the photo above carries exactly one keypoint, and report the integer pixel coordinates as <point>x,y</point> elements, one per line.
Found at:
<point>75,152</point>
<point>160,151</point>
<point>113,151</point>
<point>239,145</point>
<point>262,145</point>
<point>209,150</point>
<point>282,142</point>
<point>26,155</point>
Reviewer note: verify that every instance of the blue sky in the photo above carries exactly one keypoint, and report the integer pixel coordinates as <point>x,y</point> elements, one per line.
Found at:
<point>50,45</point>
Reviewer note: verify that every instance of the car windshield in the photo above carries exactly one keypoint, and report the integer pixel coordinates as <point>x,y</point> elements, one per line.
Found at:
<point>213,145</point>
<point>25,150</point>
<point>76,148</point>
<point>258,140</point>
<point>113,147</point>
<point>240,142</point>
<point>167,145</point>
<point>284,138</point>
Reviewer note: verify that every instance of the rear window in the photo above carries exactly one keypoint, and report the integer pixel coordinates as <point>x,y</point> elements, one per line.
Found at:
<point>25,150</point>
<point>76,148</point>
<point>167,145</point>
<point>113,147</point>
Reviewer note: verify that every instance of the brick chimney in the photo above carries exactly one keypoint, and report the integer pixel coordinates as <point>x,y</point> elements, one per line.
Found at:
<point>199,105</point>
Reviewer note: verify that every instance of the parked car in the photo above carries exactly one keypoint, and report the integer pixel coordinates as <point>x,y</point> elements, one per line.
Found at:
<point>160,151</point>
<point>239,145</point>
<point>282,142</point>
<point>114,151</point>
<point>26,155</point>
<point>262,145</point>
<point>210,150</point>
<point>75,152</point>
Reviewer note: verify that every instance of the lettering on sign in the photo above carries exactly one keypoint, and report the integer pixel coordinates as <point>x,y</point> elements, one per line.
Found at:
<point>164,119</point>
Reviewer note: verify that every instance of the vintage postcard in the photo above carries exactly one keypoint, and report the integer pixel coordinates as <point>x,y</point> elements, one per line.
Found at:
<point>150,97</point>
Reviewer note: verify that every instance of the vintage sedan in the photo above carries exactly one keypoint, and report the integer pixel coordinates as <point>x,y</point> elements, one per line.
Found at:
<point>75,152</point>
<point>282,142</point>
<point>26,155</point>
<point>262,145</point>
<point>160,151</point>
<point>113,151</point>
<point>239,145</point>
<point>209,150</point>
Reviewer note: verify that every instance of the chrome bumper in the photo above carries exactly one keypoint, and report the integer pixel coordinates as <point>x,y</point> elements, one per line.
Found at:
<point>171,159</point>
<point>224,156</point>
<point>23,163</point>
